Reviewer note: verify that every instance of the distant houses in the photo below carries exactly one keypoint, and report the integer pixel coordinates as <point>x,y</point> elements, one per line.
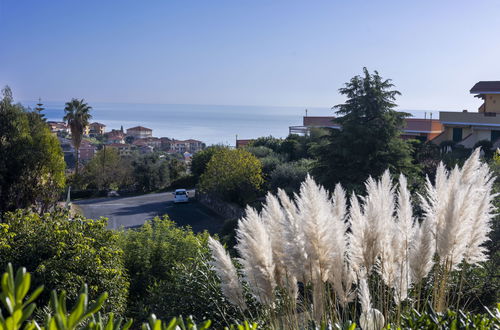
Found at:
<point>136,140</point>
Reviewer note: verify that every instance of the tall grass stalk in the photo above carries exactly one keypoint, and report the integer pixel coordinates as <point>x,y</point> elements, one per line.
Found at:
<point>314,259</point>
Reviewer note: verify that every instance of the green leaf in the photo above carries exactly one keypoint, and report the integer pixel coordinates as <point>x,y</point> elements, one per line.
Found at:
<point>27,312</point>
<point>33,296</point>
<point>128,324</point>
<point>94,308</point>
<point>76,314</point>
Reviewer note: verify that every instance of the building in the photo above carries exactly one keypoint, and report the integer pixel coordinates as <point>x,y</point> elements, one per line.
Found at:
<point>152,142</point>
<point>424,129</point>
<point>122,148</point>
<point>96,129</point>
<point>467,128</point>
<point>191,146</point>
<point>139,132</point>
<point>115,136</point>
<point>86,151</point>
<point>243,143</point>
<point>58,127</point>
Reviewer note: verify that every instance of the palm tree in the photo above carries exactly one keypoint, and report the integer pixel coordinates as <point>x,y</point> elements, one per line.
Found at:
<point>77,116</point>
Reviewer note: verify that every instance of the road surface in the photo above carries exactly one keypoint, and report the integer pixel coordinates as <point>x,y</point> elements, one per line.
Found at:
<point>130,212</point>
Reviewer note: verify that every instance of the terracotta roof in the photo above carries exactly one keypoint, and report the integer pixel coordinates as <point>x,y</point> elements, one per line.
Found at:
<point>114,133</point>
<point>325,121</point>
<point>97,124</point>
<point>484,87</point>
<point>139,128</point>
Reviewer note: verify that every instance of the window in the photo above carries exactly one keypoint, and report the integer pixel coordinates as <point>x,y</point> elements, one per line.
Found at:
<point>495,135</point>
<point>457,134</point>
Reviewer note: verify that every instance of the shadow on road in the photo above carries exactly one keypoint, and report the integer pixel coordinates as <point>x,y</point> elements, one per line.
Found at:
<point>192,214</point>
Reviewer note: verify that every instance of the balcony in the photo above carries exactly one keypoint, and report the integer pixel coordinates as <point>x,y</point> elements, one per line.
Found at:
<point>480,119</point>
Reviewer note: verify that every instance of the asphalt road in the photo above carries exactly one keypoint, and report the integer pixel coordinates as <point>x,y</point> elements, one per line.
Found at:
<point>133,211</point>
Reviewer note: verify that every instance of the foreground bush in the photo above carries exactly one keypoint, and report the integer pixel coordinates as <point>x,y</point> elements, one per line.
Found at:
<point>169,275</point>
<point>313,259</point>
<point>18,305</point>
<point>65,253</point>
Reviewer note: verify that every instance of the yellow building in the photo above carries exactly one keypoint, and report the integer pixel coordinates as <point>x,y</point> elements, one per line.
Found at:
<point>467,128</point>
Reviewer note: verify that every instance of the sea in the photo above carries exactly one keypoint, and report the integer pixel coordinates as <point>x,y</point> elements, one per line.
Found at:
<point>212,124</point>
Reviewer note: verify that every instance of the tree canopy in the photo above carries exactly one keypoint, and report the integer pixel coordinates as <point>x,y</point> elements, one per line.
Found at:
<point>31,160</point>
<point>369,141</point>
<point>233,174</point>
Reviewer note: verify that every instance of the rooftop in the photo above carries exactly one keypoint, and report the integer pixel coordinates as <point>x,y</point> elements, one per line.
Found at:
<point>139,128</point>
<point>486,87</point>
<point>325,121</point>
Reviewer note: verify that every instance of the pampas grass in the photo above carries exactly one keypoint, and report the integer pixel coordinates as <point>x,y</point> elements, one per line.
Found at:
<point>225,269</point>
<point>376,247</point>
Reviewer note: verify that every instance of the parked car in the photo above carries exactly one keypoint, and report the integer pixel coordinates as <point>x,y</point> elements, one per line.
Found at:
<point>181,196</point>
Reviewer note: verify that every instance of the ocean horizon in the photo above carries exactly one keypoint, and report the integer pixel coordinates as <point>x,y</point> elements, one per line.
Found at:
<point>212,124</point>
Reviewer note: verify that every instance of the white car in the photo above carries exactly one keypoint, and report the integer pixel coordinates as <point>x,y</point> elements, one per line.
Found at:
<point>181,196</point>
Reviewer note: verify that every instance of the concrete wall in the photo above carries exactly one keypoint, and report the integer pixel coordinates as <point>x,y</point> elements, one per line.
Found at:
<point>226,210</point>
<point>492,103</point>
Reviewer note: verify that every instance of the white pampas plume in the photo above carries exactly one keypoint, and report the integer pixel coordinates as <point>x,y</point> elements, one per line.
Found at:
<point>369,235</point>
<point>225,270</point>
<point>480,224</point>
<point>314,210</point>
<point>294,243</point>
<point>371,318</point>
<point>254,247</point>
<point>273,218</point>
<point>404,231</point>
<point>341,275</point>
<point>422,249</point>
<point>359,237</point>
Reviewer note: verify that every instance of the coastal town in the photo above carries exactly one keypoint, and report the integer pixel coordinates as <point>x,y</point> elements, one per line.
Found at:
<point>134,140</point>
<point>249,165</point>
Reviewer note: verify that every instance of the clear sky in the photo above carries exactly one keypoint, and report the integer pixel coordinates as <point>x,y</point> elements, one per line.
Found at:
<point>269,52</point>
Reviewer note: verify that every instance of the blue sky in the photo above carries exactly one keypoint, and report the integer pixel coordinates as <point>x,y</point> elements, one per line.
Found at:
<point>283,53</point>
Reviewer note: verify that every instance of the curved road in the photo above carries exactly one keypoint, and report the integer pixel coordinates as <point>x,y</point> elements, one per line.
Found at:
<point>129,212</point>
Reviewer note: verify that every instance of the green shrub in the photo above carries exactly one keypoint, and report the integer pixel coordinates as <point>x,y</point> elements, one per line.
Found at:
<point>64,254</point>
<point>260,151</point>
<point>289,176</point>
<point>168,272</point>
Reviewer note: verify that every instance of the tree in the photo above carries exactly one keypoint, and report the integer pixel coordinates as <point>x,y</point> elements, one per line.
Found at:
<point>235,175</point>
<point>77,114</point>
<point>31,160</point>
<point>64,254</point>
<point>151,172</point>
<point>369,141</point>
<point>201,159</point>
<point>39,108</point>
<point>107,170</point>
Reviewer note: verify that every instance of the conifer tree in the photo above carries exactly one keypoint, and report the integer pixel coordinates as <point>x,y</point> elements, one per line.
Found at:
<point>369,141</point>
